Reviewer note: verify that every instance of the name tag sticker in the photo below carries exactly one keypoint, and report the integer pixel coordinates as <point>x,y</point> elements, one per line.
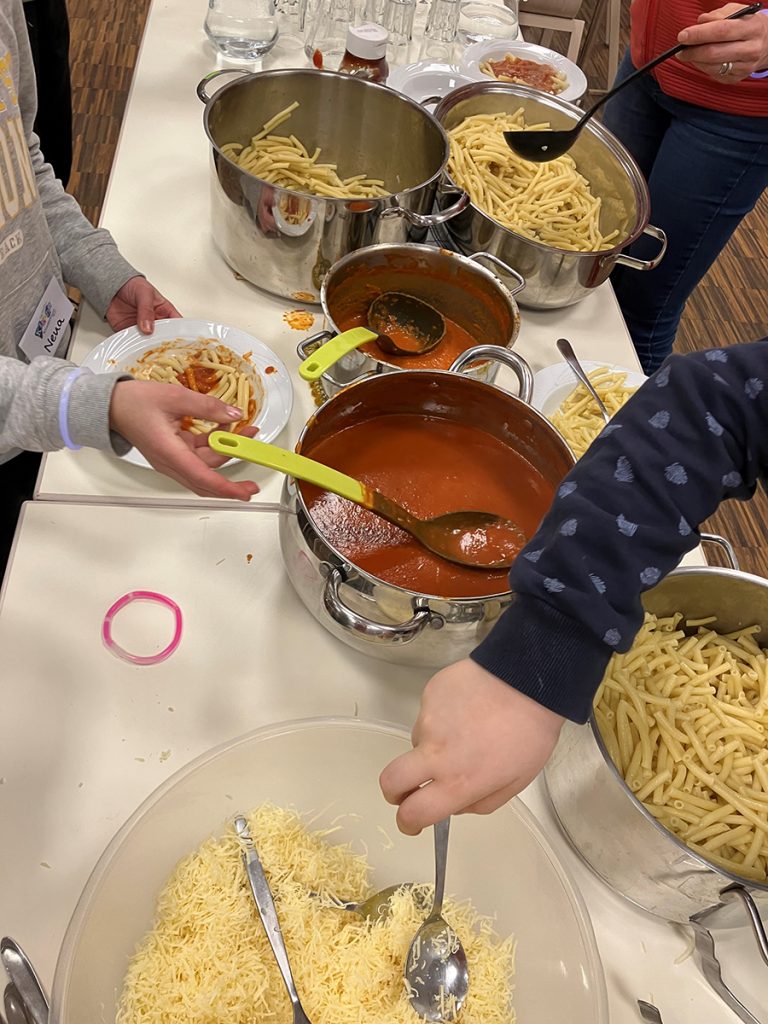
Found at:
<point>48,325</point>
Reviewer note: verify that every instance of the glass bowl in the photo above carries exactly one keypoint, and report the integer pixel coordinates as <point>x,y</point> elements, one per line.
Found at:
<point>503,862</point>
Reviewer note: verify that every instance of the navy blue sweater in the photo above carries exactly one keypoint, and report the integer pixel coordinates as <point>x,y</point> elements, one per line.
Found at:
<point>694,434</point>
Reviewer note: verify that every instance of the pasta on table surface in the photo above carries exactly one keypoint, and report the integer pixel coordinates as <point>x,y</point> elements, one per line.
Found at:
<point>684,716</point>
<point>206,366</point>
<point>548,202</point>
<point>207,960</point>
<point>579,419</point>
<point>284,161</point>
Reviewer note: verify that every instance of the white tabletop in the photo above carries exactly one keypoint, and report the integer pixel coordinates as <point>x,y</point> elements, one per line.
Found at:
<point>85,736</point>
<point>157,207</point>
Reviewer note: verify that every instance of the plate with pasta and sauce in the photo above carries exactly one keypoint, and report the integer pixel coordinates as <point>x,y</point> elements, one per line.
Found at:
<point>209,358</point>
<point>513,60</point>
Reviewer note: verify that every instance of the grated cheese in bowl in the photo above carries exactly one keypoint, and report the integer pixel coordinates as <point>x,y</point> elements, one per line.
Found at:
<point>207,960</point>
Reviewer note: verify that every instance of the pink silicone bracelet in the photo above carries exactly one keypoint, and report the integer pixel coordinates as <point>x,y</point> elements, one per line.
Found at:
<point>138,659</point>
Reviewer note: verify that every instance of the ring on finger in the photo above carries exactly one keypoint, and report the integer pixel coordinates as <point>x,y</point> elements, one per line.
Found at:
<point>725,68</point>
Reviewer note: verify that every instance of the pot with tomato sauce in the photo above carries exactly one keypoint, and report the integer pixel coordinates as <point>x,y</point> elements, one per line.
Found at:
<point>436,441</point>
<point>478,307</point>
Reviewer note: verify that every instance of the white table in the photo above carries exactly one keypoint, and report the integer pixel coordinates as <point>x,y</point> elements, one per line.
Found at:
<point>157,207</point>
<point>85,737</point>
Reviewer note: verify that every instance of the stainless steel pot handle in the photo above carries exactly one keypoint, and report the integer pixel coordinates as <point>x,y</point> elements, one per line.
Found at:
<point>379,632</point>
<point>202,93</point>
<point>428,220</point>
<point>505,267</point>
<point>730,553</point>
<point>515,362</point>
<point>705,947</point>
<point>637,264</point>
<point>306,347</point>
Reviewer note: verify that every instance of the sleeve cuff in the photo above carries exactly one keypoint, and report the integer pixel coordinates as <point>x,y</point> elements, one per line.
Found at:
<point>548,656</point>
<point>88,417</point>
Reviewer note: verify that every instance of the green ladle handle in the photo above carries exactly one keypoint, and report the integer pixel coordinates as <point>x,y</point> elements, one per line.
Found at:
<point>323,358</point>
<point>234,446</point>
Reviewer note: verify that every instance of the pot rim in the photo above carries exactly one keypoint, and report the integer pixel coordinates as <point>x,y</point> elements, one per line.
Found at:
<point>371,204</point>
<point>697,570</point>
<point>341,264</point>
<point>617,148</point>
<point>369,577</point>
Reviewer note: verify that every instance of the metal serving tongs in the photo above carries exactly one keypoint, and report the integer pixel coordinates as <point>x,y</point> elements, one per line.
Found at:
<point>268,914</point>
<point>705,946</point>
<point>24,999</point>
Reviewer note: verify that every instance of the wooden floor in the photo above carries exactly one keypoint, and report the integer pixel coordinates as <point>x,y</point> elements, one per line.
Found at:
<point>727,307</point>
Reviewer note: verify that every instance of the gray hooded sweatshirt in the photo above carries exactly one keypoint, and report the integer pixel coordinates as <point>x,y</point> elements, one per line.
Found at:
<point>44,235</point>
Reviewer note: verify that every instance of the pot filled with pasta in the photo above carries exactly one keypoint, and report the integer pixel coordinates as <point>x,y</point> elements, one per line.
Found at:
<point>563,224</point>
<point>664,792</point>
<point>475,304</point>
<point>304,172</point>
<point>436,441</point>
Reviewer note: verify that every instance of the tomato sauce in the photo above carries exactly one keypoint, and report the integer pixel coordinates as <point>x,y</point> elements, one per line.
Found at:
<point>528,72</point>
<point>430,466</point>
<point>455,340</point>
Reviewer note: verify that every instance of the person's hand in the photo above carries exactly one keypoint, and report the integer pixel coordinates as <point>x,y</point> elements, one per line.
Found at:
<point>477,743</point>
<point>150,416</point>
<point>716,43</point>
<point>139,302</point>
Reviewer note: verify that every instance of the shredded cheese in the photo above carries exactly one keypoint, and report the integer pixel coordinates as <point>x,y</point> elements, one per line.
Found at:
<point>207,960</point>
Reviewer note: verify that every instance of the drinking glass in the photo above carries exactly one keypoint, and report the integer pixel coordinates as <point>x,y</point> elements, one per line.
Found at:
<point>397,18</point>
<point>325,31</point>
<point>443,20</point>
<point>241,29</point>
<point>479,21</point>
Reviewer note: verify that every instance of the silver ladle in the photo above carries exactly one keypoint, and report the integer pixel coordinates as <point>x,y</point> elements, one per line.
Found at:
<point>565,349</point>
<point>436,966</point>
<point>540,146</point>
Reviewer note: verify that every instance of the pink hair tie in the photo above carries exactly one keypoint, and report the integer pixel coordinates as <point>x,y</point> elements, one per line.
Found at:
<point>138,659</point>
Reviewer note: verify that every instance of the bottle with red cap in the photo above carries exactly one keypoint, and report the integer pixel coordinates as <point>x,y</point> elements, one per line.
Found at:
<point>366,53</point>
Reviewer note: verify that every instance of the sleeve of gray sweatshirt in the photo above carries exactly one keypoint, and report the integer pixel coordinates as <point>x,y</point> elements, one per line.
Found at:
<point>89,257</point>
<point>29,406</point>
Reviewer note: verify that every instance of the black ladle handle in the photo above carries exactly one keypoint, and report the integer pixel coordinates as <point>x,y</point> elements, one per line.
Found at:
<point>752,9</point>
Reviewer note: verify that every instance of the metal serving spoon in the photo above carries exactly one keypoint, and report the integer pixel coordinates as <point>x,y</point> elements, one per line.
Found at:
<point>266,906</point>
<point>566,351</point>
<point>481,540</point>
<point>541,146</point>
<point>24,999</point>
<point>400,323</point>
<point>436,966</point>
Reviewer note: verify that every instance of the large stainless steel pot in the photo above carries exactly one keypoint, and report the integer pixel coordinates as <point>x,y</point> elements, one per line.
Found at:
<point>378,618</point>
<point>554,277</point>
<point>618,838</point>
<point>462,289</point>
<point>354,122</point>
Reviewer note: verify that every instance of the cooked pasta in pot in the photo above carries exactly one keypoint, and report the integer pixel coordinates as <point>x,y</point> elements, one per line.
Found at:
<point>284,161</point>
<point>549,202</point>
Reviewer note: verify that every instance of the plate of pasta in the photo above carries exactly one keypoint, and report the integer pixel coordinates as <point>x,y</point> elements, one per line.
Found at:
<point>513,60</point>
<point>558,395</point>
<point>209,358</point>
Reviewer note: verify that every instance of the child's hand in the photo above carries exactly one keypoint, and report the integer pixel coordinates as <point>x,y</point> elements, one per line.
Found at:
<point>477,742</point>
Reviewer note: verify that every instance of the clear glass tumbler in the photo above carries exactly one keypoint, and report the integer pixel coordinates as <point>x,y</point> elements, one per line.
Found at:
<point>325,31</point>
<point>397,18</point>
<point>443,20</point>
<point>242,29</point>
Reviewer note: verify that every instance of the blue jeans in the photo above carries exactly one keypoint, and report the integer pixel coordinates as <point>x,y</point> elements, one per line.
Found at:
<point>705,172</point>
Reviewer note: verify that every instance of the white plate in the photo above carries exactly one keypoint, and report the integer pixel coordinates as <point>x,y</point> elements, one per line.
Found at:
<point>120,352</point>
<point>553,384</point>
<point>427,78</point>
<point>495,49</point>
